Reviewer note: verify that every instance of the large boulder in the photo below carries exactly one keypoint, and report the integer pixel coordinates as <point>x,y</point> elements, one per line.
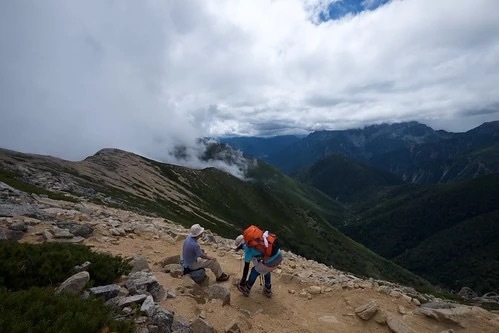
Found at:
<point>75,283</point>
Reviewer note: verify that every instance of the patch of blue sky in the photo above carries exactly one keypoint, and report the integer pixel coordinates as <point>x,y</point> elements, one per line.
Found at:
<point>340,8</point>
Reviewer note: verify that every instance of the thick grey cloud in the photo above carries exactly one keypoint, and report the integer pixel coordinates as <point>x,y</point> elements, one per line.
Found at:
<point>78,76</point>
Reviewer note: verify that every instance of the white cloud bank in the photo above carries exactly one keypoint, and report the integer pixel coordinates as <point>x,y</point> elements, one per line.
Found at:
<point>78,76</point>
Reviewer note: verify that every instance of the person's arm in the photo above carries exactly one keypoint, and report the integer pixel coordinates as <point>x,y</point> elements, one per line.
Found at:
<point>204,255</point>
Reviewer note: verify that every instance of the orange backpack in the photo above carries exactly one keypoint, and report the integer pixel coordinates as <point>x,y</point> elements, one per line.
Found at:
<point>254,237</point>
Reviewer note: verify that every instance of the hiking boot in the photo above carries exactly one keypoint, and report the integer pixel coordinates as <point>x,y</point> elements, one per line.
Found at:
<point>267,292</point>
<point>243,289</point>
<point>223,277</point>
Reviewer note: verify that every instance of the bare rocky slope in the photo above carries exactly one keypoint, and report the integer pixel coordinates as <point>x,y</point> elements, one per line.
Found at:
<point>308,296</point>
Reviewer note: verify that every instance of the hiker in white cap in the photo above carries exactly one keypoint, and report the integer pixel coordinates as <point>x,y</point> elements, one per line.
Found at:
<point>260,266</point>
<point>195,258</point>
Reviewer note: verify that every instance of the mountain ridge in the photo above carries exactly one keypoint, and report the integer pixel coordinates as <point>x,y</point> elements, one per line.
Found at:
<point>221,202</point>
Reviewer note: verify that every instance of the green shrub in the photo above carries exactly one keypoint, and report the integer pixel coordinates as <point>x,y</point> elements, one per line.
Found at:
<point>40,310</point>
<point>26,265</point>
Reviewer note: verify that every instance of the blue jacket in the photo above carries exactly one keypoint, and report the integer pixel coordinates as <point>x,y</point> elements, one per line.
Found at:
<point>251,252</point>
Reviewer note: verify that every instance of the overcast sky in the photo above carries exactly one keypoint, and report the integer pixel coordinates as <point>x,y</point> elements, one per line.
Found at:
<point>78,76</point>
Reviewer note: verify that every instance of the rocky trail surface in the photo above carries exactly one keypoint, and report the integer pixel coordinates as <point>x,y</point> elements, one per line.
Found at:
<point>307,296</point>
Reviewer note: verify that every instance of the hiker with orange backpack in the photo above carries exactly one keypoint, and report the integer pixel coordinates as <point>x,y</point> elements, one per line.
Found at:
<point>261,248</point>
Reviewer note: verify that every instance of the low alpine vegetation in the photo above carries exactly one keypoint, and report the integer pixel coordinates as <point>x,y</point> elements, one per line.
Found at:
<point>28,275</point>
<point>27,265</point>
<point>40,310</point>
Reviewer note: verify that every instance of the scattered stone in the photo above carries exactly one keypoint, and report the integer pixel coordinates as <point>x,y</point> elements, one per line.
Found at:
<point>148,306</point>
<point>315,290</point>
<point>117,232</point>
<point>367,310</point>
<point>19,226</point>
<point>218,291</point>
<point>139,263</point>
<point>135,299</point>
<point>384,290</point>
<point>402,309</point>
<point>288,278</point>
<point>170,260</point>
<point>62,233</point>
<point>180,325</point>
<point>145,282</point>
<point>75,283</point>
<point>7,234</point>
<point>201,326</point>
<point>83,267</point>
<point>188,283</point>
<point>467,293</point>
<point>397,325</point>
<point>380,317</point>
<point>108,292</point>
<point>48,235</point>
<point>330,319</point>
<point>438,305</point>
<point>77,229</point>
<point>459,315</point>
<point>175,270</point>
<point>406,297</point>
<point>303,294</point>
<point>232,327</point>
<point>366,284</point>
<point>163,319</point>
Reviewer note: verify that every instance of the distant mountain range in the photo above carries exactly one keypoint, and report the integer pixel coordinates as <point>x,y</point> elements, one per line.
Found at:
<point>413,151</point>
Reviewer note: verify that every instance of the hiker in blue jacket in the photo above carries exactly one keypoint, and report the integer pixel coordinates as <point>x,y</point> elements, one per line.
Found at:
<point>260,266</point>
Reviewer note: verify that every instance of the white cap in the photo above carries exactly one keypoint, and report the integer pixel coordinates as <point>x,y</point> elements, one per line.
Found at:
<point>196,230</point>
<point>238,241</point>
